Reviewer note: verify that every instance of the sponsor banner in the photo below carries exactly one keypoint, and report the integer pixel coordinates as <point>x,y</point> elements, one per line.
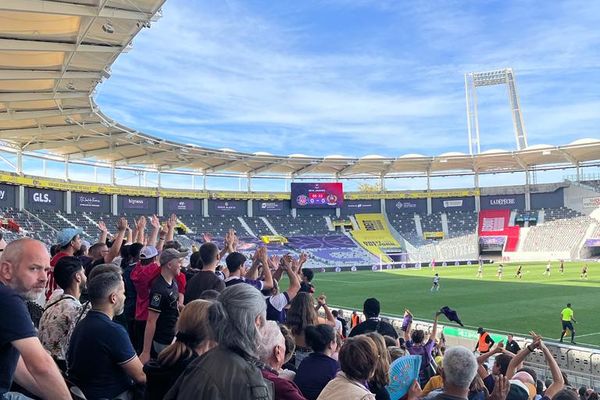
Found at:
<point>433,235</point>
<point>452,203</point>
<point>7,195</point>
<point>46,199</point>
<point>271,206</point>
<point>360,206</point>
<point>591,202</point>
<point>499,202</point>
<point>592,242</point>
<point>187,206</point>
<point>233,207</point>
<point>249,196</point>
<point>406,206</point>
<point>410,195</point>
<point>139,204</point>
<point>90,202</point>
<point>469,334</point>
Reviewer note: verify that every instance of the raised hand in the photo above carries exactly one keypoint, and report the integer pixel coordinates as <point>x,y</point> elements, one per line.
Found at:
<point>155,222</point>
<point>322,300</point>
<point>102,227</point>
<point>172,221</point>
<point>501,389</point>
<point>141,223</point>
<point>122,224</point>
<point>207,237</point>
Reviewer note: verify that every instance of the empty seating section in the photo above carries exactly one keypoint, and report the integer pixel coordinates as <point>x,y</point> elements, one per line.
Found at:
<point>216,226</point>
<point>404,224</point>
<point>301,225</point>
<point>431,223</point>
<point>53,219</point>
<point>461,223</point>
<point>258,226</point>
<point>557,235</point>
<point>552,214</point>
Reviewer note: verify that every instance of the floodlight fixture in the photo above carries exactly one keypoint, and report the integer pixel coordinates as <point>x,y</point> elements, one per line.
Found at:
<point>473,80</point>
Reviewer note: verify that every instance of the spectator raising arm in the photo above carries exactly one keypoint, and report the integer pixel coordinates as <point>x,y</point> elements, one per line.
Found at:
<point>155,222</point>
<point>103,232</point>
<point>330,319</point>
<point>115,249</point>
<point>171,224</point>
<point>294,286</point>
<point>558,381</point>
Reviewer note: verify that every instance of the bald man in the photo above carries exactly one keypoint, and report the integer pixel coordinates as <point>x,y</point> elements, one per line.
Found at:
<point>23,275</point>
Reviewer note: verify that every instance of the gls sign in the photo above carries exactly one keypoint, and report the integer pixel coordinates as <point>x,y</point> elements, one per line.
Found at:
<point>41,198</point>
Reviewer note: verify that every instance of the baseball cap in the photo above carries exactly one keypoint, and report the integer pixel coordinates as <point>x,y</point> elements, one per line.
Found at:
<point>148,252</point>
<point>64,270</point>
<point>66,235</point>
<point>171,254</point>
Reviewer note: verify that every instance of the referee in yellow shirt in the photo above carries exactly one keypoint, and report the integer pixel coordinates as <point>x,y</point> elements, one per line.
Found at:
<point>566,317</point>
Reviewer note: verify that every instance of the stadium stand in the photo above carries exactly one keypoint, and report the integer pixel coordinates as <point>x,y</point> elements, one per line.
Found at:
<point>557,234</point>
<point>553,214</point>
<point>258,226</point>
<point>461,223</point>
<point>300,225</point>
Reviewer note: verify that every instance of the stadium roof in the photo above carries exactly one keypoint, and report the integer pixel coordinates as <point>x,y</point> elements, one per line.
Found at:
<point>53,54</point>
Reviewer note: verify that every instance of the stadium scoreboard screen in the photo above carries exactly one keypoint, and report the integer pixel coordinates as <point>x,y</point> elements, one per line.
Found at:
<point>317,195</point>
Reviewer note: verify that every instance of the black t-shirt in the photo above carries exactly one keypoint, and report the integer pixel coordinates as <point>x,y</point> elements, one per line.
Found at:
<point>163,300</point>
<point>372,325</point>
<point>203,280</point>
<point>15,324</point>
<point>97,350</point>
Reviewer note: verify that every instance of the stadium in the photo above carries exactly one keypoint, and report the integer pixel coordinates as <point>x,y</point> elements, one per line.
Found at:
<point>360,243</point>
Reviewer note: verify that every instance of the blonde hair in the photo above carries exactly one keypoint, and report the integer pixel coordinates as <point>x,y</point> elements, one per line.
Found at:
<point>192,329</point>
<point>382,366</point>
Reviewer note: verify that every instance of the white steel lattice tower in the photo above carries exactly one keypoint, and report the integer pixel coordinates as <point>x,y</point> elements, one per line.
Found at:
<point>499,77</point>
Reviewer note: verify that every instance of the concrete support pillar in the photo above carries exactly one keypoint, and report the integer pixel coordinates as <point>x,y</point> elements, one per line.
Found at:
<point>161,209</point>
<point>68,205</point>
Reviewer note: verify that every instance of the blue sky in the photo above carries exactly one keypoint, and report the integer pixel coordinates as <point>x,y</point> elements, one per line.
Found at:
<point>357,77</point>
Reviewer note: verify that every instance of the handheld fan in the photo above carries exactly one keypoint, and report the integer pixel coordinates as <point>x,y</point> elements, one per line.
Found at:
<point>403,373</point>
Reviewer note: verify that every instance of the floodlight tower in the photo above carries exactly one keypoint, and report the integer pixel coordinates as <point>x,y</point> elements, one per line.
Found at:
<point>473,80</point>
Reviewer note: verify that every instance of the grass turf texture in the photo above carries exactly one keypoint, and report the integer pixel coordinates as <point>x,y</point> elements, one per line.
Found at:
<point>508,305</point>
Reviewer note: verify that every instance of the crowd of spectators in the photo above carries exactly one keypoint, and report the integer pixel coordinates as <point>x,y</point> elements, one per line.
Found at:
<point>137,316</point>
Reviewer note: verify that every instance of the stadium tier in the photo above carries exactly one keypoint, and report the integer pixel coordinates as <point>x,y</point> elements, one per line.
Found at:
<point>555,226</point>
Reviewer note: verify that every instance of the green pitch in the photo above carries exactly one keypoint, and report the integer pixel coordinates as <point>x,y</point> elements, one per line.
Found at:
<point>507,305</point>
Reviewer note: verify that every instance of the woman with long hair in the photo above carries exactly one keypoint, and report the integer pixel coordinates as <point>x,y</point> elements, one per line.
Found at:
<point>303,313</point>
<point>381,377</point>
<point>193,339</point>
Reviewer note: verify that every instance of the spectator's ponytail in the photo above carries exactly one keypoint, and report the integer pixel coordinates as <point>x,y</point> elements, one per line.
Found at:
<point>192,330</point>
